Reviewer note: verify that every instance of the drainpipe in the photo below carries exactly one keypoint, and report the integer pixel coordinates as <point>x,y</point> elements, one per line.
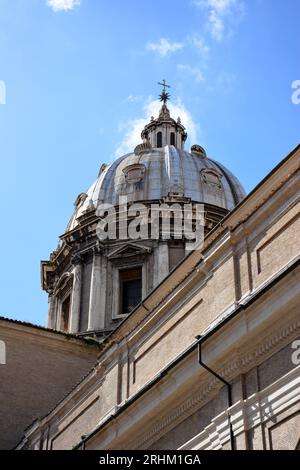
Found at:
<point>229,391</point>
<point>83,442</point>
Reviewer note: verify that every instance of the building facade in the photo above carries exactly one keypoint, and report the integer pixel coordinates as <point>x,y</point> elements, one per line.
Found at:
<point>204,352</point>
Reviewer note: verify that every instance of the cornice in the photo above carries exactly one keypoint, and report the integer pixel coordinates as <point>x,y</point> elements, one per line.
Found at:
<point>17,329</point>
<point>282,397</point>
<point>230,370</point>
<point>279,176</point>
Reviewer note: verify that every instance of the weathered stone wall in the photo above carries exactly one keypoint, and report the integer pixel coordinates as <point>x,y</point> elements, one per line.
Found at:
<point>41,368</point>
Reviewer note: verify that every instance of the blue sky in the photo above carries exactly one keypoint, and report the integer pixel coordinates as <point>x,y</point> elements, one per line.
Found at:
<point>81,78</point>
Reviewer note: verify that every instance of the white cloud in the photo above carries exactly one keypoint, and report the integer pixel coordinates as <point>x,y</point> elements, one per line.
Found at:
<point>218,13</point>
<point>220,6</point>
<point>164,47</point>
<point>200,45</point>
<point>194,71</point>
<point>216,25</point>
<point>63,5</point>
<point>132,129</point>
<point>133,99</point>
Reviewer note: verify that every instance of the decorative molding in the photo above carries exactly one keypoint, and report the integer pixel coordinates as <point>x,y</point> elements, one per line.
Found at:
<point>80,200</point>
<point>241,362</point>
<point>269,240</point>
<point>62,282</point>
<point>260,408</point>
<point>211,177</point>
<point>198,150</point>
<point>129,249</point>
<point>229,371</point>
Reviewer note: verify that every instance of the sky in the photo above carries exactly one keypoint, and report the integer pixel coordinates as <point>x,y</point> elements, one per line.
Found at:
<point>78,81</point>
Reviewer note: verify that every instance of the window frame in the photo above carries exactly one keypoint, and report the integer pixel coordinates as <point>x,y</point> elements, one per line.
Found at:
<point>172,138</point>
<point>133,277</point>
<point>159,140</point>
<point>116,288</point>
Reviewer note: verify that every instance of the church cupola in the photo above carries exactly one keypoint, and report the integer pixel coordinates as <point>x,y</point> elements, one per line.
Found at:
<point>93,283</point>
<point>164,130</point>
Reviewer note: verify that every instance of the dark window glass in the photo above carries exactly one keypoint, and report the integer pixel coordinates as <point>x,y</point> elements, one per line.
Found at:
<point>159,139</point>
<point>131,289</point>
<point>172,140</point>
<point>176,253</point>
<point>65,313</point>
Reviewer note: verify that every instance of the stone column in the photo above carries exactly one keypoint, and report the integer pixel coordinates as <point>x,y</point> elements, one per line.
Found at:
<point>144,279</point>
<point>115,279</point>
<point>95,318</point>
<point>56,315</point>
<point>162,261</point>
<point>103,290</point>
<point>76,296</point>
<point>51,311</point>
<point>164,135</point>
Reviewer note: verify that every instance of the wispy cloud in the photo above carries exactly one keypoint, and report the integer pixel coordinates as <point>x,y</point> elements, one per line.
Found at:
<point>226,82</point>
<point>63,5</point>
<point>193,71</point>
<point>133,99</point>
<point>164,47</point>
<point>216,25</point>
<point>218,12</point>
<point>132,129</point>
<point>201,46</point>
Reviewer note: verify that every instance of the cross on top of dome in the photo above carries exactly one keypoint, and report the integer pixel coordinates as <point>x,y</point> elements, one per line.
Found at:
<point>164,96</point>
<point>163,130</point>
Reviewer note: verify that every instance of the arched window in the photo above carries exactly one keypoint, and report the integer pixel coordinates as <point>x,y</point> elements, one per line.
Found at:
<point>159,139</point>
<point>172,138</point>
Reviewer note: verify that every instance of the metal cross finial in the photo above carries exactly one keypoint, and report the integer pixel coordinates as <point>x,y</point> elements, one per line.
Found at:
<point>163,83</point>
<point>164,96</point>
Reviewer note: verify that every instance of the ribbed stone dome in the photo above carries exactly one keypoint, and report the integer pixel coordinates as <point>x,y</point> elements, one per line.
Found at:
<point>93,282</point>
<point>156,173</point>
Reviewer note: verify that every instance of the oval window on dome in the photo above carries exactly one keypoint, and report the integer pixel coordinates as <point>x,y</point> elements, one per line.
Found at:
<point>134,173</point>
<point>212,177</point>
<point>80,199</point>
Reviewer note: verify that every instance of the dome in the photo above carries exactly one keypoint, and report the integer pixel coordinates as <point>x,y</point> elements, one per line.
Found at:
<point>93,282</point>
<point>160,168</point>
<point>156,173</point>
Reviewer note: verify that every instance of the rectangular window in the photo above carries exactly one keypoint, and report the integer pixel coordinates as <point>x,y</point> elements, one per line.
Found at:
<point>65,313</point>
<point>176,253</point>
<point>159,139</point>
<point>130,289</point>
